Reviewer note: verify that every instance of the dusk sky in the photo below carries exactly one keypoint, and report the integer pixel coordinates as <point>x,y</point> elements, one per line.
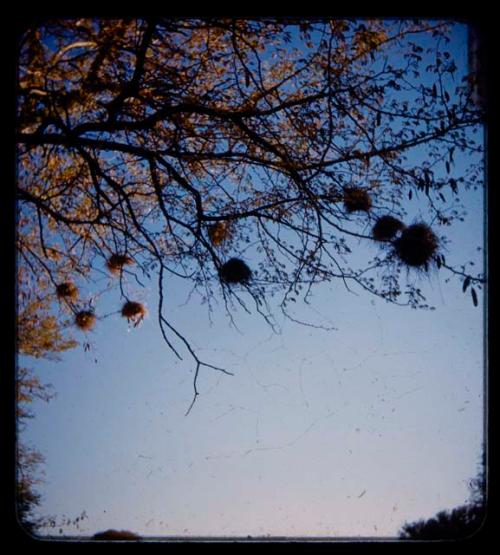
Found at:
<point>349,431</point>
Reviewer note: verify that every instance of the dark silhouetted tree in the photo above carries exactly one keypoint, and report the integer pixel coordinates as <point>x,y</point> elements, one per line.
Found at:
<point>458,523</point>
<point>29,461</point>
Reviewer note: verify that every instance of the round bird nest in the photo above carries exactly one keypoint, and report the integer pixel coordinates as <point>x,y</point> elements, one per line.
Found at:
<point>219,232</point>
<point>357,199</point>
<point>67,290</point>
<point>134,311</point>
<point>386,227</point>
<point>116,262</point>
<point>235,271</point>
<point>417,245</point>
<point>85,320</point>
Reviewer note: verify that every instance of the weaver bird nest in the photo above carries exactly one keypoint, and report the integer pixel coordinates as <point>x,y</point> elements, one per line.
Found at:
<point>134,311</point>
<point>116,263</point>
<point>235,271</point>
<point>219,232</point>
<point>67,290</point>
<point>85,320</point>
<point>357,199</point>
<point>417,245</point>
<point>386,228</point>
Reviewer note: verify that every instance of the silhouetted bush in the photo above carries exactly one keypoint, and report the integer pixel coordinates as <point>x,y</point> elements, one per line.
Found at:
<point>459,523</point>
<point>446,525</point>
<point>111,535</point>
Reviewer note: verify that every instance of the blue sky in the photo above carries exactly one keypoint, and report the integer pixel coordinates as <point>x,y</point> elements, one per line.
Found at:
<point>347,432</point>
<point>390,402</point>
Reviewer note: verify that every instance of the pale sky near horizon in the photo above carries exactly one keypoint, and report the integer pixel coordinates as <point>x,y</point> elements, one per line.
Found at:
<point>350,432</point>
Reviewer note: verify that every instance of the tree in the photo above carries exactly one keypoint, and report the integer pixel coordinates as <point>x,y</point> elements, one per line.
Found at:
<point>29,460</point>
<point>39,335</point>
<point>459,523</point>
<point>244,156</point>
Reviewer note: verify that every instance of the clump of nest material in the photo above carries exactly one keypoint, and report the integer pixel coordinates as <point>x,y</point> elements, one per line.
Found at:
<point>235,271</point>
<point>417,245</point>
<point>67,290</point>
<point>219,232</point>
<point>116,263</point>
<point>85,320</point>
<point>134,311</point>
<point>386,227</point>
<point>357,199</point>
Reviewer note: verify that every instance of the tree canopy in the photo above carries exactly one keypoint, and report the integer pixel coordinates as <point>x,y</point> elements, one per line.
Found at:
<point>249,157</point>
